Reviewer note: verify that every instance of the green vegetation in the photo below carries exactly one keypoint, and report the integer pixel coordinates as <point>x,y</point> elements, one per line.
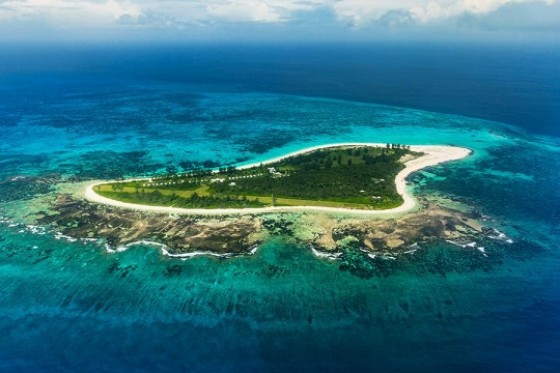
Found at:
<point>351,177</point>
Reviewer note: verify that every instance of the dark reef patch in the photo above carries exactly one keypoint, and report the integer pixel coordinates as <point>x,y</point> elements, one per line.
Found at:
<point>259,145</point>
<point>112,165</point>
<point>439,258</point>
<point>279,227</point>
<point>19,188</point>
<point>14,164</point>
<point>505,185</point>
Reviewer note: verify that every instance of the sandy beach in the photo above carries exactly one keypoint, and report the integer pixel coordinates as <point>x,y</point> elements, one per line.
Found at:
<point>433,155</point>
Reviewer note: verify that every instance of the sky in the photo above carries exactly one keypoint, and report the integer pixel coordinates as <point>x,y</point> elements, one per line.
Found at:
<point>277,19</point>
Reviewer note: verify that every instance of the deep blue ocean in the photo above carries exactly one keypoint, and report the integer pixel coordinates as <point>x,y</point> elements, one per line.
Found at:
<point>79,112</point>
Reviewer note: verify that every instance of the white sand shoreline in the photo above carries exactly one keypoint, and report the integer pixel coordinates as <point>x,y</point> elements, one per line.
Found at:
<point>434,155</point>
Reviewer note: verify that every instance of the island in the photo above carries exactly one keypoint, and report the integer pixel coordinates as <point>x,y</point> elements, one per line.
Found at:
<point>359,177</point>
<point>345,202</point>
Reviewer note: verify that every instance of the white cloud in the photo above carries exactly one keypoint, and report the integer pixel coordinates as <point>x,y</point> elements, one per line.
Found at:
<point>518,16</point>
<point>66,12</point>
<point>359,14</point>
<point>270,11</point>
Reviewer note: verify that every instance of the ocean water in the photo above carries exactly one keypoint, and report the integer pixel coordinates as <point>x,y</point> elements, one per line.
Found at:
<point>94,113</point>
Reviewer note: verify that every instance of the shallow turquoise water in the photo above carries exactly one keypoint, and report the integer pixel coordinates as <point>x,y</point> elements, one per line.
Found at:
<point>73,306</point>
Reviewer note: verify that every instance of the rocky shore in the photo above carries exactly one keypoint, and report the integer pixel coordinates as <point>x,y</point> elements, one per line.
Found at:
<point>80,219</point>
<point>327,235</point>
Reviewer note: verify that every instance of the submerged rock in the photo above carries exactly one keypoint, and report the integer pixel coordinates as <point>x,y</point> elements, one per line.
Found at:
<point>19,188</point>
<point>80,219</point>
